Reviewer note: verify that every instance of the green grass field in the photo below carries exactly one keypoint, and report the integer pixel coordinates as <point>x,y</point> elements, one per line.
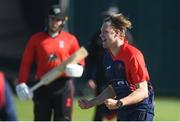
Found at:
<point>166,109</point>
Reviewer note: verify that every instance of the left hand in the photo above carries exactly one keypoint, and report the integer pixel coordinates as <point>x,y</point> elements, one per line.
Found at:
<point>111,103</point>
<point>74,70</point>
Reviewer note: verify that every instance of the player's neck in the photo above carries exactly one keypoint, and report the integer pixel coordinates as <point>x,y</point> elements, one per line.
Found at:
<point>116,47</point>
<point>53,34</point>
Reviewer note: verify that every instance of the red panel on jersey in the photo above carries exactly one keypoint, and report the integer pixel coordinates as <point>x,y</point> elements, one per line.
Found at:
<point>136,70</point>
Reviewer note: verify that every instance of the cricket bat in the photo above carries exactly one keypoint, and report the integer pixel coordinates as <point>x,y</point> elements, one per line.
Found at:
<point>59,70</point>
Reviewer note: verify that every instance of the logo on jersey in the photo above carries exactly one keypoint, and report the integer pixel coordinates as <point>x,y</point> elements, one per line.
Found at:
<point>116,70</point>
<point>61,44</point>
<point>120,83</point>
<point>53,57</point>
<point>108,67</point>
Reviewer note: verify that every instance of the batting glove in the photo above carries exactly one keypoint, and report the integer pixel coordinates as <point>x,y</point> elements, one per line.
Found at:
<point>23,92</point>
<point>74,70</point>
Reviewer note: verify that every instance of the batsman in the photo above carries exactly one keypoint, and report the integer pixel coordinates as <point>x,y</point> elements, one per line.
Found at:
<point>48,49</point>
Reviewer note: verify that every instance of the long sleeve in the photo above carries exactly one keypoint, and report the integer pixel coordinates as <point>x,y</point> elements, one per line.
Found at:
<point>27,61</point>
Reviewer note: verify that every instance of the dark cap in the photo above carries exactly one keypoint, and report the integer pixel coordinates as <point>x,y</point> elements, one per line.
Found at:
<point>56,12</point>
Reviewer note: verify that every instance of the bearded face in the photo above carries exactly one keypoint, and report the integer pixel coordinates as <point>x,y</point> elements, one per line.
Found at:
<point>55,24</point>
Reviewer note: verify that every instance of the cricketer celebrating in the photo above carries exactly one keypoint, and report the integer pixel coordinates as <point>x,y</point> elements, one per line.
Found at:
<point>129,90</point>
<point>48,50</point>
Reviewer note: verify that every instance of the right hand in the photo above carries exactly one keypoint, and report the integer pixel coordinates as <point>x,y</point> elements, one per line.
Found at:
<point>74,70</point>
<point>23,92</point>
<point>84,104</point>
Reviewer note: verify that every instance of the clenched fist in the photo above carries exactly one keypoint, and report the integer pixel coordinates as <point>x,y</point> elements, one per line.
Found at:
<point>84,103</point>
<point>111,103</point>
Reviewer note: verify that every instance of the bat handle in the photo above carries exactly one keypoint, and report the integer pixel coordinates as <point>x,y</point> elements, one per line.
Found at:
<point>36,86</point>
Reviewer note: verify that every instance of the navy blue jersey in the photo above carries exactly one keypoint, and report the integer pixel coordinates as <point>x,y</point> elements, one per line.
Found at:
<point>115,73</point>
